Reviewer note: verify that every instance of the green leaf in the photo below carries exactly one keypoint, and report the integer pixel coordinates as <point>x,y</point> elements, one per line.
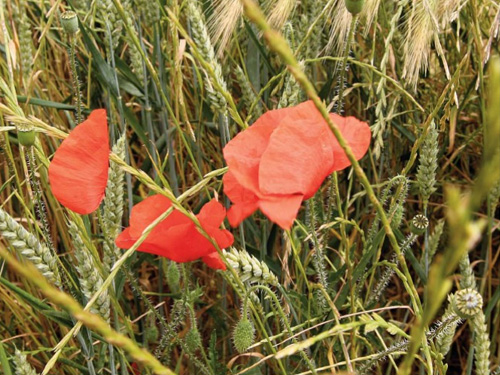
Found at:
<point>39,305</point>
<point>4,361</point>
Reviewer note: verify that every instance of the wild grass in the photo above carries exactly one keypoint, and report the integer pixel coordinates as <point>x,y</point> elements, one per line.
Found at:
<point>358,285</point>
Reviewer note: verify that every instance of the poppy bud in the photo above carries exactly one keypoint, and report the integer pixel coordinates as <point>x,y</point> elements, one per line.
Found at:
<point>151,332</point>
<point>69,22</point>
<point>26,137</point>
<point>419,224</point>
<point>397,217</point>
<point>173,276</point>
<point>193,339</point>
<point>243,335</point>
<point>354,6</point>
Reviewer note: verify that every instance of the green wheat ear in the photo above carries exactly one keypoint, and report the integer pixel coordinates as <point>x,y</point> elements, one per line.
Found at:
<point>25,42</point>
<point>89,276</point>
<point>426,175</point>
<point>29,246</point>
<point>207,52</point>
<point>109,14</point>
<point>23,367</point>
<point>249,268</point>
<point>113,206</point>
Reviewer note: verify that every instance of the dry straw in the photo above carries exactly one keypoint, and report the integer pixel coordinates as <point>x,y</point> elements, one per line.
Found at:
<point>428,18</point>
<point>223,21</point>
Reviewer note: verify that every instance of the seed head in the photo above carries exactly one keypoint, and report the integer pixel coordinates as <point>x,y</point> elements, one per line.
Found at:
<point>419,224</point>
<point>69,22</point>
<point>467,303</point>
<point>354,6</point>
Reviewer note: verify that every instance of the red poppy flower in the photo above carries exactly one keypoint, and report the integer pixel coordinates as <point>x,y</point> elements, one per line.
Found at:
<point>283,159</point>
<point>78,173</point>
<point>176,237</point>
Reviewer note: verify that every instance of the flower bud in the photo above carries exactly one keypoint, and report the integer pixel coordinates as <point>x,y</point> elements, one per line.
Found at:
<point>151,332</point>
<point>419,224</point>
<point>193,339</point>
<point>354,6</point>
<point>69,22</point>
<point>243,335</point>
<point>173,276</point>
<point>397,217</point>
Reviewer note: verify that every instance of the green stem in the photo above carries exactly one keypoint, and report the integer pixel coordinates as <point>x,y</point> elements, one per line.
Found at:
<point>75,80</point>
<point>343,67</point>
<point>282,315</point>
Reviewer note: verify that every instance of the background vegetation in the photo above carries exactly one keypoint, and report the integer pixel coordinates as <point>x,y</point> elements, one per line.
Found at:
<point>360,284</point>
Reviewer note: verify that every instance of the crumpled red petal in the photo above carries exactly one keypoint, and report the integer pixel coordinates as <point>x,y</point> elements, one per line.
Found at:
<point>214,261</point>
<point>124,239</point>
<point>212,214</point>
<point>176,237</point>
<point>357,134</point>
<point>211,217</point>
<point>78,173</point>
<point>283,159</point>
<point>282,210</point>
<point>243,153</point>
<point>297,159</point>
<point>147,211</point>
<point>244,201</point>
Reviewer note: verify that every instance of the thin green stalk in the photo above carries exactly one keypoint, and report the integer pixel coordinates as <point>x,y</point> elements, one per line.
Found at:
<point>164,114</point>
<point>74,79</point>
<point>343,66</point>
<point>147,107</point>
<point>38,198</point>
<point>282,315</point>
<point>152,71</point>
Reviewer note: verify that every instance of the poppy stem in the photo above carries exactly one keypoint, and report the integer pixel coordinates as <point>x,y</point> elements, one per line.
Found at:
<point>283,319</point>
<point>74,79</point>
<point>41,211</point>
<point>344,66</point>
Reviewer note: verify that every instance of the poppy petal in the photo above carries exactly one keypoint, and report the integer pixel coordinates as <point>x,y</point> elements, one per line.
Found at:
<point>147,211</point>
<point>282,210</point>
<point>184,243</point>
<point>78,173</point>
<point>305,111</point>
<point>211,217</point>
<point>223,237</point>
<point>243,152</point>
<point>298,158</point>
<point>213,260</point>
<point>358,136</point>
<point>125,240</point>
<point>244,201</point>
<point>212,214</point>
